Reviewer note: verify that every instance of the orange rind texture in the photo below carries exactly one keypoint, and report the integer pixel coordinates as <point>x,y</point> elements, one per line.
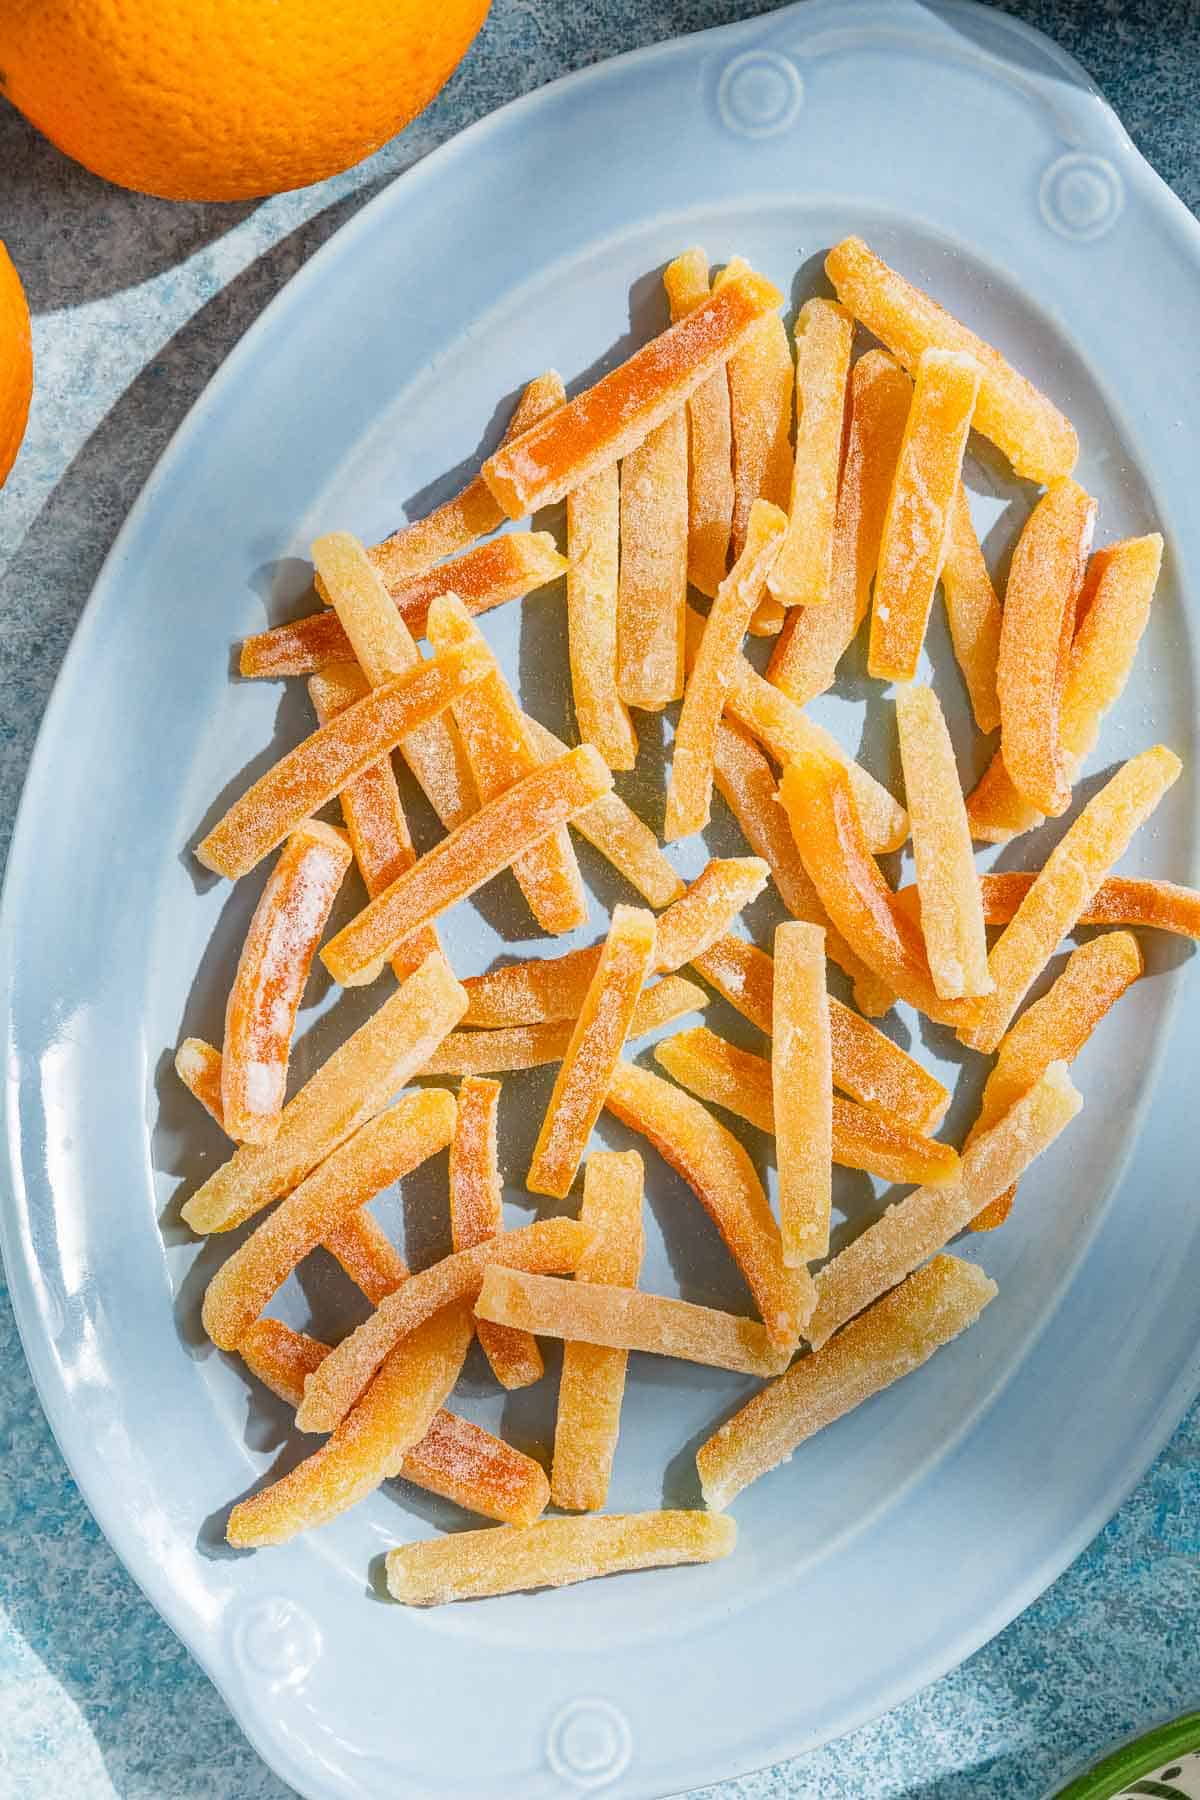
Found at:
<point>891,1340</point>
<point>372,810</point>
<point>593,551</point>
<point>592,1384</point>
<point>951,914</point>
<point>866,1064</point>
<point>512,1047</point>
<point>308,777</point>
<point>1037,440</point>
<point>813,641</point>
<point>350,1088</point>
<point>382,1151</point>
<point>723,1179</point>
<point>652,583</point>
<point>1063,889</point>
<point>597,1037</point>
<point>825,823</point>
<point>724,1075</point>
<point>802,571</point>
<point>747,783</point>
<point>370,1445</point>
<point>802,1092</point>
<point>621,1318</point>
<point>471,855</point>
<point>1040,599</point>
<point>924,1222</point>
<point>608,420</point>
<point>919,511</point>
<point>501,752</point>
<point>1054,1029</point>
<point>973,614</point>
<point>477,1213</point>
<point>689,792</point>
<point>710,443</point>
<point>761,378</point>
<point>1119,900</point>
<point>553,1245</point>
<point>787,732</point>
<point>271,974</point>
<point>470,1565</point>
<point>547,988</point>
<point>506,568</point>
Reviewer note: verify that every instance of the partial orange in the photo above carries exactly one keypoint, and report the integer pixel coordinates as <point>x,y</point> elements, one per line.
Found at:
<point>16,363</point>
<point>227,99</point>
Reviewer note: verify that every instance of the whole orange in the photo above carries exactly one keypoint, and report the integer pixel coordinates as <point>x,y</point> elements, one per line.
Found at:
<point>227,99</point>
<point>16,363</point>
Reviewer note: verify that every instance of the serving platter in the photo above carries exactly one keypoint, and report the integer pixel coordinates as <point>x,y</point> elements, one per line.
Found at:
<point>978,158</point>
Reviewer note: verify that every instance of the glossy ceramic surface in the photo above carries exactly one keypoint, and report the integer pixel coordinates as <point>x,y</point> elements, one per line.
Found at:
<point>978,158</point>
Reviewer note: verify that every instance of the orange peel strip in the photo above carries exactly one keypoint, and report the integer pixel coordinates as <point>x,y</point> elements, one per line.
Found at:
<point>1037,440</point>
<point>725,1075</point>
<point>547,988</point>
<point>920,507</point>
<point>532,1046</point>
<point>548,1245</point>
<point>804,662</point>
<point>1063,889</point>
<point>925,1221</point>
<point>477,1213</point>
<point>597,1037</point>
<point>802,572</point>
<point>802,1092</point>
<point>607,421</point>
<point>866,1064</point>
<point>458,522</point>
<point>350,1088</point>
<point>829,835</point>
<point>723,1179</point>
<point>761,379</point>
<point>652,584</point>
<point>891,1340</point>
<point>1054,1029</point>
<point>951,913</point>
<point>506,568</point>
<point>783,729</point>
<point>1120,900</point>
<point>689,792</point>
<point>360,1245</point>
<point>501,753</point>
<point>272,971</point>
<point>372,810</point>
<point>973,614</point>
<point>309,776</point>
<point>472,854</point>
<point>1040,599</point>
<point>592,1385</point>
<point>385,1149</point>
<point>390,1420</point>
<point>614,829</point>
<point>593,550</point>
<point>747,783</point>
<point>470,1565</point>
<point>710,444</point>
<point>622,1318</point>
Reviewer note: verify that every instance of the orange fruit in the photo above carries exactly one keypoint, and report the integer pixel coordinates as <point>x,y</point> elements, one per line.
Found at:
<point>227,99</point>
<point>16,363</point>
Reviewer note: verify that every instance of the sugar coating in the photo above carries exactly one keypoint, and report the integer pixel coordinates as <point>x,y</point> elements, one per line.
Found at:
<point>802,572</point>
<point>973,613</point>
<point>760,408</point>
<point>802,1091</point>
<point>1119,900</point>
<point>477,1213</point>
<point>710,440</point>
<point>593,554</point>
<point>891,1340</point>
<point>652,583</point>
<point>552,1553</point>
<point>814,638</point>
<point>531,1046</point>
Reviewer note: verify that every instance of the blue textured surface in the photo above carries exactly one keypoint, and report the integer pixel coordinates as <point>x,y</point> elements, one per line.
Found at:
<point>137,302</point>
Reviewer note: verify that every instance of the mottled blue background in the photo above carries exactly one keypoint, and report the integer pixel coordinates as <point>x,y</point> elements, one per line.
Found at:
<point>137,302</point>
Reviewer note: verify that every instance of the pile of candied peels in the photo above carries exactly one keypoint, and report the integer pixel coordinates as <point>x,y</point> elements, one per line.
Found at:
<point>796,494</point>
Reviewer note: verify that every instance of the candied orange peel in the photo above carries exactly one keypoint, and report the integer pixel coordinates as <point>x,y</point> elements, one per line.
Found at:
<point>802,1092</point>
<point>509,1047</point>
<point>761,379</point>
<point>593,547</point>
<point>973,614</point>
<point>477,1213</point>
<point>802,571</point>
<point>710,445</point>
<point>652,582</point>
